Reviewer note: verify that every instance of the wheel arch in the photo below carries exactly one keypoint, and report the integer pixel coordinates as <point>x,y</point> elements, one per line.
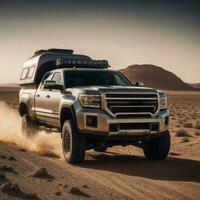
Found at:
<point>67,113</point>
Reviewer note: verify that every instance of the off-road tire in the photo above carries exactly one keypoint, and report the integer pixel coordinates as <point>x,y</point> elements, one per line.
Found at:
<point>100,149</point>
<point>157,148</point>
<point>28,127</point>
<point>73,143</point>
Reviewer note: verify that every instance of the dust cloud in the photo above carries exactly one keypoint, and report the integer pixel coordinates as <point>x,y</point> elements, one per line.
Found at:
<point>10,131</point>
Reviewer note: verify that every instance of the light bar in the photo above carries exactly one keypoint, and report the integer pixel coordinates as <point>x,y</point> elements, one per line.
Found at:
<point>64,62</point>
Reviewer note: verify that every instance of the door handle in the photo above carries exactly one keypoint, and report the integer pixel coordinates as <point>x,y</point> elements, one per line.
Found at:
<point>48,96</point>
<point>37,95</point>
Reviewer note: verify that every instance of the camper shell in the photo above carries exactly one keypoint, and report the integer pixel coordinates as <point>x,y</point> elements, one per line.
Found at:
<point>46,60</point>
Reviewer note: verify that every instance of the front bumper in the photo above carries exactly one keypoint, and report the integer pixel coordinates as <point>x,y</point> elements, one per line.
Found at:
<point>108,125</point>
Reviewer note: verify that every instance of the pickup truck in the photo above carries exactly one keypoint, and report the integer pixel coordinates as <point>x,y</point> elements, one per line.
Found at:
<point>92,106</point>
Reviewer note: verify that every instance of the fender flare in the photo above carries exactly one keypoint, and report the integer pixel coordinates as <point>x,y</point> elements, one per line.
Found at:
<point>70,111</point>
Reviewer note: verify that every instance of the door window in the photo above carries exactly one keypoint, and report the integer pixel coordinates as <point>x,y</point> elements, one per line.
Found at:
<point>47,77</point>
<point>57,78</point>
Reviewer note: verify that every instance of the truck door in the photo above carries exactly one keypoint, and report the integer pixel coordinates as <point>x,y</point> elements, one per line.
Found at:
<point>47,102</point>
<point>41,97</point>
<point>54,100</point>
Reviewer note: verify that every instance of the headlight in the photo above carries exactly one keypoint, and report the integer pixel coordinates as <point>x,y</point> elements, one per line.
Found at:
<point>92,101</point>
<point>163,101</point>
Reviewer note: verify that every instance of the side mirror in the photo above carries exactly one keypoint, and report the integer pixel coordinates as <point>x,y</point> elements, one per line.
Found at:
<point>139,84</point>
<point>51,85</point>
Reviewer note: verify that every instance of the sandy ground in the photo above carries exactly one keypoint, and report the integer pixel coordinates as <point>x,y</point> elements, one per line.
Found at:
<point>121,173</point>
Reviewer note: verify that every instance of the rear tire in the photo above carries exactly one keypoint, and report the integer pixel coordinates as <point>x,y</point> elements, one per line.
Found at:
<point>157,148</point>
<point>73,143</point>
<point>28,127</point>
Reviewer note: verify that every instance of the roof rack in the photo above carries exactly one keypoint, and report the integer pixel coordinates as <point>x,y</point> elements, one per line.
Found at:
<point>53,50</point>
<point>80,63</point>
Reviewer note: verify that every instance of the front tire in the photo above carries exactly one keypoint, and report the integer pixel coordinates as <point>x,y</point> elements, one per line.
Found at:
<point>157,148</point>
<point>28,127</point>
<point>73,143</point>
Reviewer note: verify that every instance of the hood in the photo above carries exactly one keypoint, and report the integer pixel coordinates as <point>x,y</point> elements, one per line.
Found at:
<point>113,89</point>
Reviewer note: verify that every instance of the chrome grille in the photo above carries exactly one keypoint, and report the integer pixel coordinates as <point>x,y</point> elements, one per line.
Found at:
<point>131,104</point>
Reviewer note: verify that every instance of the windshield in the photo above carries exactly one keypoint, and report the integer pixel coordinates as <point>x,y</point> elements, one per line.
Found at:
<point>95,78</point>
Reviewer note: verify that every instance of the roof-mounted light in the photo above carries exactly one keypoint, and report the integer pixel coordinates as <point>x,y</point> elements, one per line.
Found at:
<point>64,62</point>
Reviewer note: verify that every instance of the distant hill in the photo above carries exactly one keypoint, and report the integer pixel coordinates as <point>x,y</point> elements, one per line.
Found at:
<point>12,87</point>
<point>156,77</point>
<point>195,85</point>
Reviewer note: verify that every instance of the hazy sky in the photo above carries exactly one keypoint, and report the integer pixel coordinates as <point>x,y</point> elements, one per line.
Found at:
<point>163,33</point>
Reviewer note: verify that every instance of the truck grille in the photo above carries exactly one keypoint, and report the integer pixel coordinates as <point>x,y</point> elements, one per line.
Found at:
<point>131,104</point>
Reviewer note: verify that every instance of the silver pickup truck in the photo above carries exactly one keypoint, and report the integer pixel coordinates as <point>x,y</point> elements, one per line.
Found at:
<point>91,106</point>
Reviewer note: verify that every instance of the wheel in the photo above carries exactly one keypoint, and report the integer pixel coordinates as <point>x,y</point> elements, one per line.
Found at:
<point>100,148</point>
<point>157,148</point>
<point>28,127</point>
<point>73,143</point>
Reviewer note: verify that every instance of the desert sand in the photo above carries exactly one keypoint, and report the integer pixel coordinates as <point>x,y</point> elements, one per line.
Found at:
<point>35,169</point>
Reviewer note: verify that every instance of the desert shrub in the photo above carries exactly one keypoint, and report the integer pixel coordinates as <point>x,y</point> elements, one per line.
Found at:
<point>186,119</point>
<point>182,133</point>
<point>180,121</point>
<point>185,139</point>
<point>197,125</point>
<point>197,133</point>
<point>188,125</point>
<point>179,114</point>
